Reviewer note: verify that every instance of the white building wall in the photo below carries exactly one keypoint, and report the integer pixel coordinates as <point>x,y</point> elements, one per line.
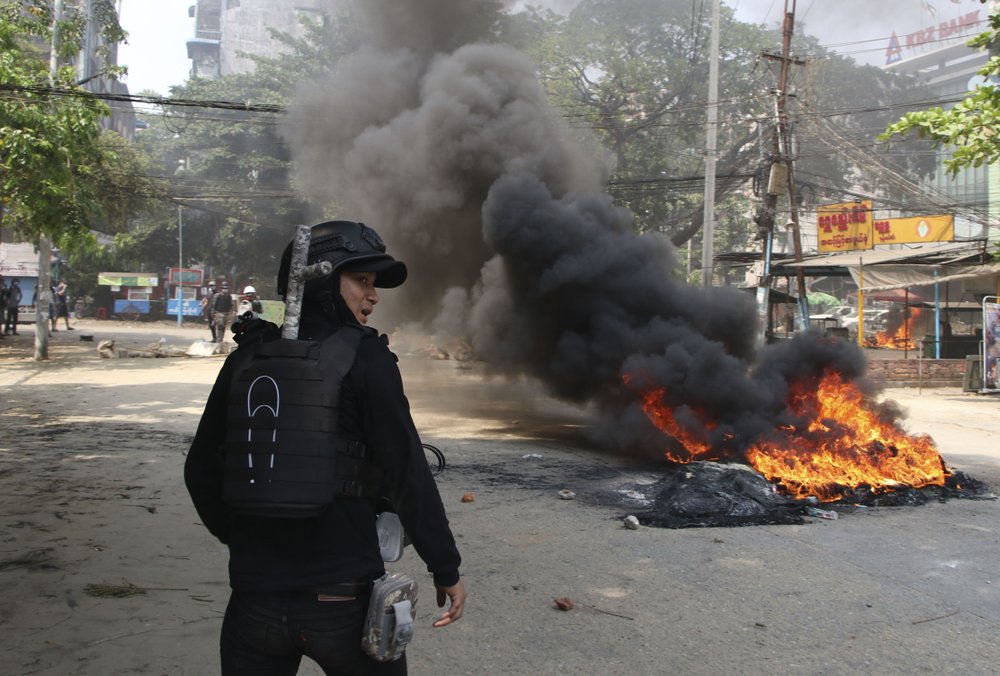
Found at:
<point>245,24</point>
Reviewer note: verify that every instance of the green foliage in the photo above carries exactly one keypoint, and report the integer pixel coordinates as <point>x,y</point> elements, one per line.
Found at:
<point>229,170</point>
<point>59,173</point>
<point>637,73</point>
<point>84,259</point>
<point>968,129</point>
<point>633,72</point>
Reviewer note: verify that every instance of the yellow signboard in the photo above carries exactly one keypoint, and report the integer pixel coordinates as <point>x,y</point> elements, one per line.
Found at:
<point>126,279</point>
<point>844,227</point>
<point>915,229</point>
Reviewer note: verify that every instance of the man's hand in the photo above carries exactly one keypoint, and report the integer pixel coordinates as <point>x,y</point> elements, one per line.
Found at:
<point>456,593</point>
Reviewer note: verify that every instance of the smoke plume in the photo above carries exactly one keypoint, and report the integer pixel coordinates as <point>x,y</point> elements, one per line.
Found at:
<point>495,204</point>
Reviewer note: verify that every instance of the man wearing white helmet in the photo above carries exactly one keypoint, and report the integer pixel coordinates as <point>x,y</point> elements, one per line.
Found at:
<point>249,302</point>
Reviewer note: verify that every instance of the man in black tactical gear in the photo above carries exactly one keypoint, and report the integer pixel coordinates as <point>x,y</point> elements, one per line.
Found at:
<point>206,309</point>
<point>222,305</point>
<point>301,586</point>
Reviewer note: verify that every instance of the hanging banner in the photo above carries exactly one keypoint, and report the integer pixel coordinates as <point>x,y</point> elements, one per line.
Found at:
<point>846,226</point>
<point>18,260</point>
<point>915,229</point>
<point>991,344</point>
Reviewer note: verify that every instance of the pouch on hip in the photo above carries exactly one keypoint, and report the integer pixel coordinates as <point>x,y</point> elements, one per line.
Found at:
<point>389,623</point>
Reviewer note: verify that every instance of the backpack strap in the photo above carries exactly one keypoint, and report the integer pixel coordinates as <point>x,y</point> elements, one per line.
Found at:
<point>341,349</point>
<point>356,475</point>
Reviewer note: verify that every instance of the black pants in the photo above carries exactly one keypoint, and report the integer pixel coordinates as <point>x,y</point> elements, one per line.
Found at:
<point>12,316</point>
<point>267,635</point>
<point>219,320</point>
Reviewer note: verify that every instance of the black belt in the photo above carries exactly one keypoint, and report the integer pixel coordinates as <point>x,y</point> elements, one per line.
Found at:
<point>354,588</point>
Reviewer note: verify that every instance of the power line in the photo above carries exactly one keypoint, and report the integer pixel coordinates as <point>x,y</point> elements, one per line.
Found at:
<point>153,100</point>
<point>276,109</point>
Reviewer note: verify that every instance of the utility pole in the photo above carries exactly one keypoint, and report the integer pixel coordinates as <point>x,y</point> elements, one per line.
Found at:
<point>781,179</point>
<point>180,267</point>
<point>708,220</point>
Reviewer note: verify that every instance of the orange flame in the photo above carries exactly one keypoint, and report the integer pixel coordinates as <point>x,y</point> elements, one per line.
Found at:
<point>663,418</point>
<point>901,338</point>
<point>844,446</point>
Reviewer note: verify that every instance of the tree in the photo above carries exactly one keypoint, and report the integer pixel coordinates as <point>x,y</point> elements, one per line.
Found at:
<point>44,138</point>
<point>241,229</point>
<point>969,128</point>
<point>59,173</point>
<point>636,73</point>
<point>229,170</point>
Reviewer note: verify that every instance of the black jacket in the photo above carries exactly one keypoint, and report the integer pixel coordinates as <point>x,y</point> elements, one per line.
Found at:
<point>222,301</point>
<point>341,545</point>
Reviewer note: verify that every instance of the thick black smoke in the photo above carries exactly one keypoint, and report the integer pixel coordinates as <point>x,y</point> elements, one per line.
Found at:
<point>496,206</point>
<point>412,140</point>
<point>576,299</point>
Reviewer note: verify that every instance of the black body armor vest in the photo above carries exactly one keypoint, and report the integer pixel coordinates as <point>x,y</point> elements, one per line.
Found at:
<point>283,458</point>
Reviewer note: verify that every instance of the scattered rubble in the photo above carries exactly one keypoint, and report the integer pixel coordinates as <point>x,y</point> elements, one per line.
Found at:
<point>564,603</point>
<point>108,350</point>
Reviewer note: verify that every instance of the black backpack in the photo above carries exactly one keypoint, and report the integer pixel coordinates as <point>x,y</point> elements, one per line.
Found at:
<point>283,457</point>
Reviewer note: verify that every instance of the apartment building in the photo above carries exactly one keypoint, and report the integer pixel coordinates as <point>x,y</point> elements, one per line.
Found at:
<point>227,29</point>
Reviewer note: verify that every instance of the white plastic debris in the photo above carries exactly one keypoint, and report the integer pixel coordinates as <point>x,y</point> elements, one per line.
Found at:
<point>533,456</point>
<point>566,494</point>
<point>205,348</point>
<point>821,513</point>
<point>631,522</point>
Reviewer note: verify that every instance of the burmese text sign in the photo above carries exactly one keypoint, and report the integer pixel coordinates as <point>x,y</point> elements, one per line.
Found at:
<point>915,229</point>
<point>846,226</point>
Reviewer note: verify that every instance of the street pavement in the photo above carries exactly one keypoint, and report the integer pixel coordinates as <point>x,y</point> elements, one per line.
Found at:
<point>890,590</point>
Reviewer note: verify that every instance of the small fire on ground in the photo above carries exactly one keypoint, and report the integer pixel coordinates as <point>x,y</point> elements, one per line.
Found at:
<point>899,335</point>
<point>842,446</point>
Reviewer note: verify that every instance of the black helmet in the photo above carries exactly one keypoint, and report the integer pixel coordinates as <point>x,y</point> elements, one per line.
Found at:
<point>348,246</point>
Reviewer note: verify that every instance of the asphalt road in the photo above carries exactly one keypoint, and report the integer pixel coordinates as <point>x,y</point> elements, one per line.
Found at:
<point>891,590</point>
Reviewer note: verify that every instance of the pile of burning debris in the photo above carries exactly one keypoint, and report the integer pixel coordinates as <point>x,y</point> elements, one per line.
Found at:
<point>841,453</point>
<point>704,494</point>
<point>538,271</point>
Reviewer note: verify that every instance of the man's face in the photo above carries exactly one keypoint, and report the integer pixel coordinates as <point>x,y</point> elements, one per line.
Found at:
<point>358,291</point>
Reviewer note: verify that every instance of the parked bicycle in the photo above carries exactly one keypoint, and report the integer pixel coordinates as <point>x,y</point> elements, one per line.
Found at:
<point>83,308</point>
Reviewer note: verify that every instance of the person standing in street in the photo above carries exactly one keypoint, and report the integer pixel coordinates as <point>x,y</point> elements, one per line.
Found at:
<point>62,304</point>
<point>222,305</point>
<point>302,586</point>
<point>206,309</point>
<point>3,304</point>
<point>249,302</point>
<point>13,307</point>
<point>52,309</point>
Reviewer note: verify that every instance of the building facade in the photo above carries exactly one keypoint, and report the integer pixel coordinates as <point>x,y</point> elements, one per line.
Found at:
<point>94,55</point>
<point>225,30</point>
<point>939,56</point>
